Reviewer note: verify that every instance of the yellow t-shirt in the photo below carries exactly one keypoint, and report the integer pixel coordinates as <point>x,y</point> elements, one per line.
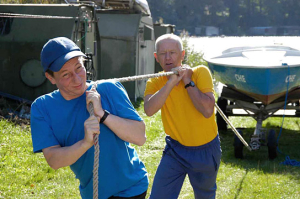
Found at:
<point>181,120</point>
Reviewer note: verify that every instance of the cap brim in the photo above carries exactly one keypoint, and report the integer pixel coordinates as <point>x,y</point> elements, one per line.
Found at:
<point>58,63</point>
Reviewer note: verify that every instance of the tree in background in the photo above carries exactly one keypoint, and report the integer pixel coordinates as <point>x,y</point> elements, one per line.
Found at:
<point>192,58</point>
<point>29,1</point>
<point>232,17</point>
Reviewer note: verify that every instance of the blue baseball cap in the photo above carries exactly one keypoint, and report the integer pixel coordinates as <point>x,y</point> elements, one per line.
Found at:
<point>57,51</point>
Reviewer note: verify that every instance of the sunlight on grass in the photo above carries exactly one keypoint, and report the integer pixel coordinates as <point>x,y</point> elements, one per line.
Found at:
<point>27,175</point>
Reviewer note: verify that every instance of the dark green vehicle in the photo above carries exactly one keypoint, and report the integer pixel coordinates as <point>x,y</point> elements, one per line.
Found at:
<point>117,36</point>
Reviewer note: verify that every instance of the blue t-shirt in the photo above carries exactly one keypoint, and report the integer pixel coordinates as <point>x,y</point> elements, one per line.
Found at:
<point>56,121</point>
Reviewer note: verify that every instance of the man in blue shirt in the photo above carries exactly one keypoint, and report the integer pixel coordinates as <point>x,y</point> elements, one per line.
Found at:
<point>63,130</point>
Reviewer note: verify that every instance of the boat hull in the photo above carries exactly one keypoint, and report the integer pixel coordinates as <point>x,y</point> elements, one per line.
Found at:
<point>261,83</point>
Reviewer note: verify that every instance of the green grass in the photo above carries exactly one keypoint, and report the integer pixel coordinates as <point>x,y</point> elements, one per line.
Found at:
<point>27,175</point>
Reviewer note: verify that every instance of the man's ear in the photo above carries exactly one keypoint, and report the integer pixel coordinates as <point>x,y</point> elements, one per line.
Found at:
<point>155,55</point>
<point>182,54</point>
<point>50,78</point>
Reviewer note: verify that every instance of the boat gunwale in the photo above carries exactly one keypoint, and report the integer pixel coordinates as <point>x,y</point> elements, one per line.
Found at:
<point>253,66</point>
<point>252,49</point>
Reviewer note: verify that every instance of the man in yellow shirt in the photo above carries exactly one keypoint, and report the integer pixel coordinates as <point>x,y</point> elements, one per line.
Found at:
<point>187,103</point>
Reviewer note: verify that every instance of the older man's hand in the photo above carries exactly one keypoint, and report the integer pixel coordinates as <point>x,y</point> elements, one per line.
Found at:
<point>187,77</point>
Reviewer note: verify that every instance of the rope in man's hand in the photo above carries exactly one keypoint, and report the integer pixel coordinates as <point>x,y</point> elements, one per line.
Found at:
<point>96,136</point>
<point>96,154</point>
<point>134,78</point>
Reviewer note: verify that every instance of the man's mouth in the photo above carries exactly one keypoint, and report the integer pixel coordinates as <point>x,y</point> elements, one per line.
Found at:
<point>78,86</point>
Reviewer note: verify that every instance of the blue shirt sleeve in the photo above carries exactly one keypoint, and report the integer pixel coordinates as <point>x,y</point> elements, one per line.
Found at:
<point>41,131</point>
<point>115,94</point>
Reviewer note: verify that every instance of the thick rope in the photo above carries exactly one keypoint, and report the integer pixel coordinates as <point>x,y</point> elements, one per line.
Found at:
<point>134,78</point>
<point>14,15</point>
<point>96,156</point>
<point>139,77</point>
<point>96,136</point>
<point>288,160</point>
<point>232,127</point>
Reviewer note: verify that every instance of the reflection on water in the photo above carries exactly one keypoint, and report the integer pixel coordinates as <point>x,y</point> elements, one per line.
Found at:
<point>213,46</point>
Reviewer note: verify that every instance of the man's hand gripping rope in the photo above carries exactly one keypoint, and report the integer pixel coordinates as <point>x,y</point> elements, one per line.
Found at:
<point>93,100</point>
<point>91,125</point>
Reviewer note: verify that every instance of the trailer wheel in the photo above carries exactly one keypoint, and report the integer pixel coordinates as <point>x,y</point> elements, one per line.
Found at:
<point>272,145</point>
<point>297,111</point>
<point>238,146</point>
<point>222,125</point>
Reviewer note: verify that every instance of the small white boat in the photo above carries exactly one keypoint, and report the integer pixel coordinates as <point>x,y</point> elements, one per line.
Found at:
<point>259,80</point>
<point>262,73</point>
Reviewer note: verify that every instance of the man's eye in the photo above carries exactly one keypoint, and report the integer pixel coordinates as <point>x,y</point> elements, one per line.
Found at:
<point>79,69</point>
<point>66,75</point>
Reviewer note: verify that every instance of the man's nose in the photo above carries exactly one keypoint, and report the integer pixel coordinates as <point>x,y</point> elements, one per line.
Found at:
<point>76,78</point>
<point>168,55</point>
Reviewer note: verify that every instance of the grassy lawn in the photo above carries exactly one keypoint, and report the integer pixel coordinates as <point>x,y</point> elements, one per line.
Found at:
<point>27,175</point>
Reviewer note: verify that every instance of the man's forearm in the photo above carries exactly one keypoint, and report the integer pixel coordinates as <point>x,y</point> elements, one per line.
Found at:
<point>58,156</point>
<point>128,130</point>
<point>203,102</point>
<point>155,102</point>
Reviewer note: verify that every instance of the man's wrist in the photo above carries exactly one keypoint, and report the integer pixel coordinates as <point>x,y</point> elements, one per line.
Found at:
<point>104,116</point>
<point>101,113</point>
<point>85,145</point>
<point>186,81</point>
<point>190,84</point>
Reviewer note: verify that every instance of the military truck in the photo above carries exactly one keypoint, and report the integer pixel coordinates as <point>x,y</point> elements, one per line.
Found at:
<point>116,35</point>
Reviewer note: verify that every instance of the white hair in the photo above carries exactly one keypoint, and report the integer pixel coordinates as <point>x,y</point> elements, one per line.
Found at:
<point>169,36</point>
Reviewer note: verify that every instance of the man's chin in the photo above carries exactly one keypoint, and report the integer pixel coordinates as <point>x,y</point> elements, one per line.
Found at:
<point>168,68</point>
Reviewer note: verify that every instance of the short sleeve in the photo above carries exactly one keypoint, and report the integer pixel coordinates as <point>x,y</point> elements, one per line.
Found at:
<point>41,132</point>
<point>151,87</point>
<point>203,79</point>
<point>117,96</point>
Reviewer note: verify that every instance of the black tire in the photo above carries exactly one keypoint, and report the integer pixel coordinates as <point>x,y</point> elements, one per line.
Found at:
<point>222,125</point>
<point>272,145</point>
<point>297,111</point>
<point>238,146</point>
